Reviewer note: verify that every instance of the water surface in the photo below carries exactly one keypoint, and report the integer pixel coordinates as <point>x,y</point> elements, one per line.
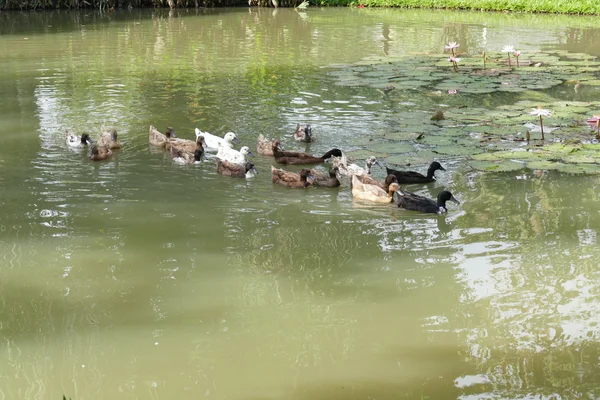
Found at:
<point>137,278</point>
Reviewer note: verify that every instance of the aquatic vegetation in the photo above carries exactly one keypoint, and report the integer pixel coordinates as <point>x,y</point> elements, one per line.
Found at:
<point>508,50</point>
<point>452,46</point>
<point>454,61</point>
<point>595,123</point>
<point>517,54</point>
<point>541,112</point>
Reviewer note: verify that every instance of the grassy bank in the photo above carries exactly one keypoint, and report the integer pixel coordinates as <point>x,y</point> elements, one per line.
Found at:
<point>588,7</point>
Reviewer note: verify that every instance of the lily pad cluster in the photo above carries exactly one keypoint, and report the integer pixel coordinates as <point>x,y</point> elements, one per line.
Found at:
<point>502,138</point>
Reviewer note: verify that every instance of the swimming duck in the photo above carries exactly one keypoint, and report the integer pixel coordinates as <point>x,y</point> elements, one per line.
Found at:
<point>330,180</point>
<point>78,142</point>
<point>414,202</point>
<point>186,145</point>
<point>303,133</point>
<point>405,177</point>
<point>99,153</point>
<point>212,141</point>
<point>373,193</point>
<point>182,158</point>
<point>234,156</point>
<point>291,179</point>
<point>264,147</point>
<point>353,169</point>
<point>367,179</point>
<point>227,168</point>
<point>109,140</point>
<point>300,158</point>
<point>159,139</point>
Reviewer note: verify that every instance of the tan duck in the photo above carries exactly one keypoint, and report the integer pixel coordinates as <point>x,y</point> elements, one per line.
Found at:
<point>292,179</point>
<point>367,179</point>
<point>303,133</point>
<point>159,139</point>
<point>372,193</point>
<point>300,158</point>
<point>186,145</point>
<point>109,140</point>
<point>227,168</point>
<point>264,147</point>
<point>99,153</point>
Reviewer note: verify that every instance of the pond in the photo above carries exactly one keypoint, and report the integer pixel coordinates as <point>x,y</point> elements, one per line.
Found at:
<point>138,278</point>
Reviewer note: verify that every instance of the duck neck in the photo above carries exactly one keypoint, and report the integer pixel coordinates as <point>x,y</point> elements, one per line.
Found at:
<point>368,168</point>
<point>431,172</point>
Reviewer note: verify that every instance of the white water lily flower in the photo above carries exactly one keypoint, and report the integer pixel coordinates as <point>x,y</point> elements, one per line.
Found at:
<point>454,59</point>
<point>451,45</point>
<point>508,49</point>
<point>517,53</point>
<point>541,112</point>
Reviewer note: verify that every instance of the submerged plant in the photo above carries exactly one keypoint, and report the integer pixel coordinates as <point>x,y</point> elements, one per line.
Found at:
<point>595,123</point>
<point>454,61</point>
<point>451,46</point>
<point>541,112</point>
<point>517,53</point>
<point>508,50</point>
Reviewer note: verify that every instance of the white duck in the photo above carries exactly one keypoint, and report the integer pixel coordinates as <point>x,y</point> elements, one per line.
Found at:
<point>346,169</point>
<point>78,142</point>
<point>213,141</point>
<point>234,156</point>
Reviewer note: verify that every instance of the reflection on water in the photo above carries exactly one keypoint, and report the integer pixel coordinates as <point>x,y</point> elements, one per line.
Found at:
<point>137,278</point>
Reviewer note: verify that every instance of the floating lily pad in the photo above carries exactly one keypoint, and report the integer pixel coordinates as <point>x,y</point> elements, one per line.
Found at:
<point>503,166</point>
<point>392,147</point>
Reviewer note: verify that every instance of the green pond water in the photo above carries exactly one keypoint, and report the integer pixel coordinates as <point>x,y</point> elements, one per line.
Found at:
<point>135,278</point>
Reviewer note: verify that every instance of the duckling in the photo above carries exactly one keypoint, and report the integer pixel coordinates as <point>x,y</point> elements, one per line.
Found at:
<point>303,133</point>
<point>414,202</point>
<point>234,156</point>
<point>367,179</point>
<point>186,146</point>
<point>264,147</point>
<point>182,158</point>
<point>300,158</point>
<point>109,140</point>
<point>405,177</point>
<point>330,181</point>
<point>227,168</point>
<point>99,153</point>
<point>292,179</point>
<point>353,169</point>
<point>373,193</point>
<point>78,142</point>
<point>158,139</point>
<point>212,141</point>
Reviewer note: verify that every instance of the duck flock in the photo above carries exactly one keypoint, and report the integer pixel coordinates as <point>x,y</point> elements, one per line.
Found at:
<point>235,163</point>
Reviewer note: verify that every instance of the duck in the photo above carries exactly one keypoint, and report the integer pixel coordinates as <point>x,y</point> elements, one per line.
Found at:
<point>329,180</point>
<point>354,169</point>
<point>405,177</point>
<point>414,202</point>
<point>78,142</point>
<point>264,147</point>
<point>373,193</point>
<point>186,145</point>
<point>234,156</point>
<point>212,141</point>
<point>179,157</point>
<point>292,179</point>
<point>159,139</point>
<point>227,168</point>
<point>303,133</point>
<point>99,153</point>
<point>367,179</point>
<point>109,140</point>
<point>300,158</point>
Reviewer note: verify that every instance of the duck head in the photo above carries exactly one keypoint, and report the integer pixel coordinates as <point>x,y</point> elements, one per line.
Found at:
<point>170,133</point>
<point>230,137</point>
<point>372,160</point>
<point>305,175</point>
<point>85,139</point>
<point>250,167</point>
<point>393,188</point>
<point>276,145</point>
<point>93,150</point>
<point>200,142</point>
<point>442,198</point>
<point>434,166</point>
<point>246,151</point>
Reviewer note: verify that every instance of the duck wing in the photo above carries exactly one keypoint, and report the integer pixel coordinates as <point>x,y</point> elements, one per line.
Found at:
<point>156,138</point>
<point>414,202</point>
<point>367,179</point>
<point>264,146</point>
<point>406,177</point>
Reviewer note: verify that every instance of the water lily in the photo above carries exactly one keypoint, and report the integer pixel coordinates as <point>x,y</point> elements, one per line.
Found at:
<point>508,50</point>
<point>451,46</point>
<point>517,53</point>
<point>595,122</point>
<point>454,61</point>
<point>541,112</point>
<point>452,91</point>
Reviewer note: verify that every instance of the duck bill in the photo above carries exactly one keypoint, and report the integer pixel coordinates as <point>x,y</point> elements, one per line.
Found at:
<point>377,163</point>
<point>452,199</point>
<point>235,140</point>
<point>442,168</point>
<point>173,135</point>
<point>254,170</point>
<point>250,154</point>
